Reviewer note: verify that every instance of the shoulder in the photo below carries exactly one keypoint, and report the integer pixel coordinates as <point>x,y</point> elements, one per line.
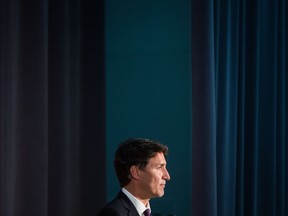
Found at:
<point>109,211</point>
<point>120,205</point>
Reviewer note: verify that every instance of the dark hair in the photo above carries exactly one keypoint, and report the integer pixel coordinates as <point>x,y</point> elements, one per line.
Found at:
<point>135,152</point>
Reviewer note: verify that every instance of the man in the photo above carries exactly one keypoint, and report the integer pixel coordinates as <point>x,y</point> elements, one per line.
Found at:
<point>140,166</point>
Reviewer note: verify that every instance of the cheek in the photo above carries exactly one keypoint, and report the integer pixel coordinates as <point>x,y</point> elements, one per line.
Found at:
<point>157,178</point>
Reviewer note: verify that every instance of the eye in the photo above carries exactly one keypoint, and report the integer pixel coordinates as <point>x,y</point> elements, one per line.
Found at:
<point>160,167</point>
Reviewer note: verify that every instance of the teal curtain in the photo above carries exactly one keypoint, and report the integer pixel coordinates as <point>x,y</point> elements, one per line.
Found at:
<point>239,102</point>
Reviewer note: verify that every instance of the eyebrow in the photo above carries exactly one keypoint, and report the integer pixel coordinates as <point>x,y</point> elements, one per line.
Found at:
<point>161,164</point>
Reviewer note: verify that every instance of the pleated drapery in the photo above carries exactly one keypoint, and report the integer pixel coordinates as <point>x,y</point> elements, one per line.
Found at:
<point>52,108</point>
<point>239,102</point>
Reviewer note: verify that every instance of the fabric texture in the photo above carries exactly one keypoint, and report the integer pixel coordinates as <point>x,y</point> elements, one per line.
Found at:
<point>119,206</point>
<point>147,212</point>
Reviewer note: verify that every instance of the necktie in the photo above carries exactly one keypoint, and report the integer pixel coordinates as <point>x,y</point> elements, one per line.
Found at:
<point>147,212</point>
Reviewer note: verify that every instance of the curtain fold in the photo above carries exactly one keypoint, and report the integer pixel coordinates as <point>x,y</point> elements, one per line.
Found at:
<point>248,40</point>
<point>52,107</point>
<point>204,188</point>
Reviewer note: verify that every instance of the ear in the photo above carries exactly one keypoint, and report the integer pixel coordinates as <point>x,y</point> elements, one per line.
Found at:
<point>134,171</point>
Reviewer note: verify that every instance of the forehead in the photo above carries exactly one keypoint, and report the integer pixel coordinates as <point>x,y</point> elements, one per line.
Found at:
<point>159,158</point>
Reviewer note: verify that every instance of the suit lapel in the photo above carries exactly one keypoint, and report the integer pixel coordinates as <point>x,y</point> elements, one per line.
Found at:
<point>127,204</point>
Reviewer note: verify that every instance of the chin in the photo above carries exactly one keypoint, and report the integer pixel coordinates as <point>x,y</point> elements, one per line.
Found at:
<point>160,194</point>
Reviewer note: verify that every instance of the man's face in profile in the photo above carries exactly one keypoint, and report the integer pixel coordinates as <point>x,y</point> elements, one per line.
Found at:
<point>153,177</point>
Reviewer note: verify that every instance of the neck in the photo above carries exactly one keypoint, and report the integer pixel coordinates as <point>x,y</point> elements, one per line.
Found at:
<point>136,193</point>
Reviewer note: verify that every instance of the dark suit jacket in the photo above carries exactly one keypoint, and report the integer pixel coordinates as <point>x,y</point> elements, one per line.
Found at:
<point>119,206</point>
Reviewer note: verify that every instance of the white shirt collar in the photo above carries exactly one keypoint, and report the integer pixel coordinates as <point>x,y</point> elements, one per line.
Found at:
<point>140,207</point>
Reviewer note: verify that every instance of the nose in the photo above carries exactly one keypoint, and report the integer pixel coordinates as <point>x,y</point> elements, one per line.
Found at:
<point>166,175</point>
